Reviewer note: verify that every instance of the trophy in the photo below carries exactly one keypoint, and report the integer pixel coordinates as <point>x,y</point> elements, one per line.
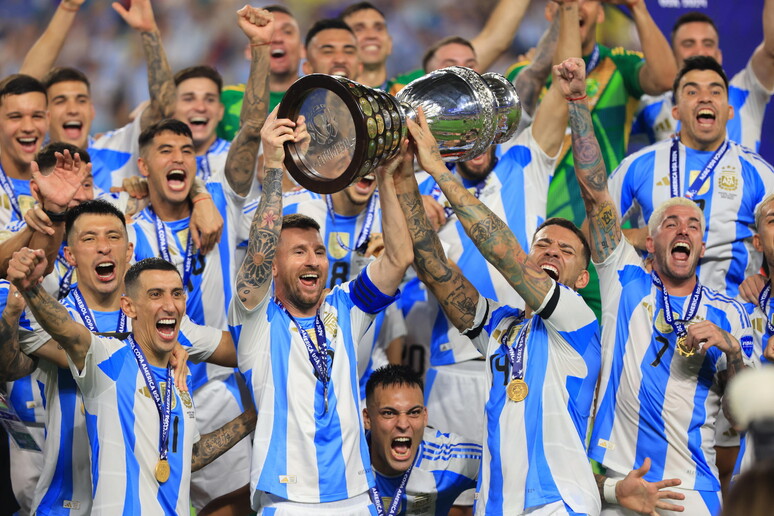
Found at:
<point>353,128</point>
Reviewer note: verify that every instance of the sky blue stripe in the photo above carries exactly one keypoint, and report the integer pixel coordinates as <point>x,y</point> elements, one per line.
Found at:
<point>126,386</point>
<point>510,172</point>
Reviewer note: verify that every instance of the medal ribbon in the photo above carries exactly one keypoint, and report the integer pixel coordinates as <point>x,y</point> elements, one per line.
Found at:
<point>67,277</point>
<point>674,170</point>
<point>165,408</point>
<point>693,305</point>
<point>763,304</point>
<point>516,352</point>
<point>317,355</point>
<point>7,186</point>
<point>393,509</point>
<point>365,231</point>
<point>593,60</point>
<point>161,236</point>
<point>88,318</point>
<point>203,164</point>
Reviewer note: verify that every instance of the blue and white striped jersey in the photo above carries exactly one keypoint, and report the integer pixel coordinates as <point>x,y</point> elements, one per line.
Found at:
<point>301,451</point>
<point>728,198</point>
<point>746,95</point>
<point>213,162</point>
<point>652,401</point>
<point>516,191</point>
<point>761,333</point>
<point>445,466</point>
<point>22,197</point>
<point>535,449</point>
<point>114,155</point>
<point>123,426</point>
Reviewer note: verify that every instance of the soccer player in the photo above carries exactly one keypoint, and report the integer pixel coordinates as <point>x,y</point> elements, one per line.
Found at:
<point>418,469</point>
<point>725,179</point>
<point>669,343</point>
<point>128,391</point>
<point>760,312</point>
<point>297,348</point>
<point>694,34</point>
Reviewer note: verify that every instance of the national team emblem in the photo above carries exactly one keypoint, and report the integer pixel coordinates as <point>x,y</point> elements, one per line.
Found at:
<point>335,241</point>
<point>728,180</point>
<point>421,504</point>
<point>186,399</point>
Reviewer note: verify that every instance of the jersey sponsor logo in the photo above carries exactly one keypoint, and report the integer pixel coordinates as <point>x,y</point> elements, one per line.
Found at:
<point>335,250</point>
<point>71,504</point>
<point>664,181</point>
<point>288,479</point>
<point>604,443</point>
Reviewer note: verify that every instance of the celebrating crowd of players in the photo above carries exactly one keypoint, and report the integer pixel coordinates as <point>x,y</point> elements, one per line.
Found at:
<point>416,343</point>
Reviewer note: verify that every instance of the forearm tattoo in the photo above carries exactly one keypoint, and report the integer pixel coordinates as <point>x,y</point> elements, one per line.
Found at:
<point>52,316</point>
<point>13,363</point>
<point>214,444</point>
<point>161,85</point>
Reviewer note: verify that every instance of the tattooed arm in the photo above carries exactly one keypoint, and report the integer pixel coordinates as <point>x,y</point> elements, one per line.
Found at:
<point>458,297</point>
<point>25,271</point>
<point>258,26</point>
<point>254,277</point>
<point>41,56</point>
<point>161,84</point>
<point>13,363</point>
<point>490,234</point>
<point>530,81</point>
<point>214,444</point>
<point>602,216</point>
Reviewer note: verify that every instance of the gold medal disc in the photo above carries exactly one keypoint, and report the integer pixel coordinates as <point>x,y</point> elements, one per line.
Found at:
<point>684,350</point>
<point>162,471</point>
<point>517,390</point>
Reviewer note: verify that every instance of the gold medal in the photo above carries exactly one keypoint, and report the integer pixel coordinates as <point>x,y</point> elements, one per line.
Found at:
<point>517,390</point>
<point>684,350</point>
<point>162,471</point>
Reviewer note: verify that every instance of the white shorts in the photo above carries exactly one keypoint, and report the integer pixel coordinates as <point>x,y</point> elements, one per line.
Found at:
<point>360,505</point>
<point>455,396</point>
<point>217,403</point>
<point>26,466</point>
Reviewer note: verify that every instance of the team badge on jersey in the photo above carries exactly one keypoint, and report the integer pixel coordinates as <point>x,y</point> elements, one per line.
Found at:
<point>728,179</point>
<point>336,241</point>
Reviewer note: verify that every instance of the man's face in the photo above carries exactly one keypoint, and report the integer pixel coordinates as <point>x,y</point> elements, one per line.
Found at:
<point>397,417</point>
<point>559,252</point>
<point>84,193</point>
<point>764,238</point>
<point>334,52</point>
<point>23,124</point>
<point>590,14</point>
<point>373,40</point>
<point>169,163</point>
<point>696,39</point>
<point>702,108</point>
<point>286,47</point>
<point>100,250</point>
<point>359,193</point>
<point>71,113</point>
<point>677,244</point>
<point>198,105</point>
<point>300,268</point>
<point>156,306</point>
<point>479,167</point>
<point>453,54</point>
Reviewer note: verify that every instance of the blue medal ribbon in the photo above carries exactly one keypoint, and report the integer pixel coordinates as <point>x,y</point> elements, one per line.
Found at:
<point>7,186</point>
<point>318,355</point>
<point>593,60</point>
<point>204,165</point>
<point>161,236</point>
<point>693,305</point>
<point>164,408</point>
<point>88,318</point>
<point>395,504</point>
<point>674,169</point>
<point>67,277</point>
<point>763,304</point>
<point>365,231</point>
<point>516,352</point>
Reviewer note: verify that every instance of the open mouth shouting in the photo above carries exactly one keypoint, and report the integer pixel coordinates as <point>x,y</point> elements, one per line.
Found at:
<point>705,117</point>
<point>72,129</point>
<point>198,122</point>
<point>176,180</point>
<point>106,271</point>
<point>29,144</point>
<point>363,186</point>
<point>310,279</point>
<point>401,448</point>
<point>166,328</point>
<point>681,251</point>
<point>551,270</point>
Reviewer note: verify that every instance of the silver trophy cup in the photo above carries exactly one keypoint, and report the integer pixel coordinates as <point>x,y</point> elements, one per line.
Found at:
<point>353,128</point>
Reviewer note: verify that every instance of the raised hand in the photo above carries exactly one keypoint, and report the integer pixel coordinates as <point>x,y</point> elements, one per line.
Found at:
<point>57,189</point>
<point>257,24</point>
<point>274,134</point>
<point>26,268</point>
<point>570,76</point>
<point>425,144</point>
<point>139,16</point>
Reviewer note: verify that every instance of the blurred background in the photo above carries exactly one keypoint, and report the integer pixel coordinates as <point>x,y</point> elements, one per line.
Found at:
<point>204,31</point>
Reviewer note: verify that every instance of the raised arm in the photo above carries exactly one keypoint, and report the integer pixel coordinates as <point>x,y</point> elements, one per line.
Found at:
<point>254,277</point>
<point>602,216</point>
<point>214,444</point>
<point>258,26</point>
<point>13,363</point>
<point>498,31</point>
<point>458,297</point>
<point>530,81</point>
<point>388,269</point>
<point>41,57</point>
<point>494,239</point>
<point>763,57</point>
<point>25,271</point>
<point>161,84</point>
<point>550,121</point>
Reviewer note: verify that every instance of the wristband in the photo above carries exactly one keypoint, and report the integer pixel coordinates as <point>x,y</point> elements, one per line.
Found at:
<point>609,490</point>
<point>575,99</point>
<point>201,198</point>
<point>56,217</point>
<point>64,6</point>
<point>260,44</point>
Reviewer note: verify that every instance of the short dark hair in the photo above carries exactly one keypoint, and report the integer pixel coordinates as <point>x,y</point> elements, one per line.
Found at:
<point>95,207</point>
<point>19,84</point>
<point>194,72</point>
<point>65,74</point>
<point>360,6</point>
<point>692,17</point>
<point>393,375</point>
<point>297,220</point>
<point>326,24</point>
<point>148,264</point>
<point>567,224</point>
<point>276,8</point>
<point>46,157</point>
<point>698,63</point>
<point>171,125</point>
<point>430,52</point>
